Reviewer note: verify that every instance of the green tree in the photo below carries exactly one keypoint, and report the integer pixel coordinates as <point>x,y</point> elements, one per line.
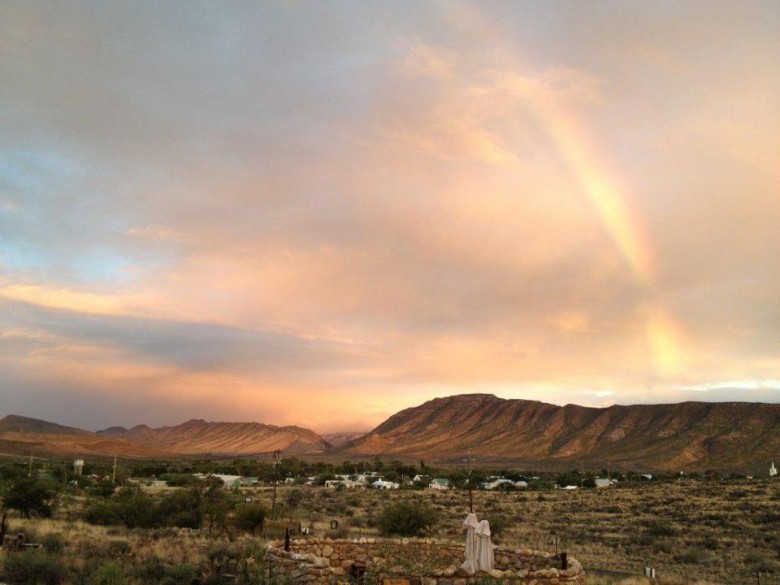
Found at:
<point>135,509</point>
<point>217,504</point>
<point>184,508</point>
<point>30,496</point>
<point>104,488</point>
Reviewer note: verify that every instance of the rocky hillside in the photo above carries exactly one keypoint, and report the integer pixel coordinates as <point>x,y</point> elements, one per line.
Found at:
<point>196,437</point>
<point>691,435</point>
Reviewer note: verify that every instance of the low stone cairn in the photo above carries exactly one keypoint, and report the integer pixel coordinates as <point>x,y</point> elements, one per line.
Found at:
<point>409,562</point>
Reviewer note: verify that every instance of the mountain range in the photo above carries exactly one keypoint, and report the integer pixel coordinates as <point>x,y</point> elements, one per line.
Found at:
<point>699,435</point>
<point>493,431</point>
<point>197,437</point>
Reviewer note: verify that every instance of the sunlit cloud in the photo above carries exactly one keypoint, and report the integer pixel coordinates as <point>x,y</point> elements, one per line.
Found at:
<point>321,215</point>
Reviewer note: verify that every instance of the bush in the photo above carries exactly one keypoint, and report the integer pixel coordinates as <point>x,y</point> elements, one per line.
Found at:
<point>53,542</point>
<point>406,519</point>
<point>35,567</point>
<point>150,571</point>
<point>183,508</point>
<point>102,512</point>
<point>128,506</point>
<point>657,528</point>
<point>497,526</point>
<point>109,574</point>
<point>135,509</point>
<point>179,574</point>
<point>250,517</point>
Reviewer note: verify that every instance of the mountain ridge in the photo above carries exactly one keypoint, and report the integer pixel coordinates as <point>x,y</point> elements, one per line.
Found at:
<point>198,436</point>
<point>664,436</point>
<point>537,435</point>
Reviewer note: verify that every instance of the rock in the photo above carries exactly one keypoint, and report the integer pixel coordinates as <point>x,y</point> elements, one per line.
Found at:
<point>495,573</point>
<point>450,571</point>
<point>339,571</point>
<point>504,560</point>
<point>327,550</point>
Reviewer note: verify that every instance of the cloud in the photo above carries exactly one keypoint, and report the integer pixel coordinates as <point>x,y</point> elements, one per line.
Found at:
<point>369,206</point>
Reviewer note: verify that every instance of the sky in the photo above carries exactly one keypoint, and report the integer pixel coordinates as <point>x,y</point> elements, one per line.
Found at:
<point>320,213</point>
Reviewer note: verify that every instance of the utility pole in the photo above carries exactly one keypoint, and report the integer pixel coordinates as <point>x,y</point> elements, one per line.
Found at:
<point>277,459</point>
<point>29,470</point>
<point>468,461</point>
<point>113,474</point>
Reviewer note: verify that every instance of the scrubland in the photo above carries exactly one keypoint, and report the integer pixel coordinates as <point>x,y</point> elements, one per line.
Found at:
<point>723,532</point>
<point>689,531</point>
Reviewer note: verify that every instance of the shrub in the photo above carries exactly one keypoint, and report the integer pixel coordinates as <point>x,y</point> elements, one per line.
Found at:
<point>406,519</point>
<point>183,508</point>
<point>150,571</point>
<point>35,567</point>
<point>497,526</point>
<point>657,529</point>
<point>53,542</point>
<point>101,512</point>
<point>109,574</point>
<point>136,509</point>
<point>250,517</point>
<point>183,574</point>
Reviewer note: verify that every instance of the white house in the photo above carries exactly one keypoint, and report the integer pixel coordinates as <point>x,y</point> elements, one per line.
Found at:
<point>381,484</point>
<point>228,480</point>
<point>440,483</point>
<point>521,484</point>
<point>603,483</point>
<point>495,482</point>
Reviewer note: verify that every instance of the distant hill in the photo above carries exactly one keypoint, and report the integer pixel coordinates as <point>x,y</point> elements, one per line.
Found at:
<point>21,435</point>
<point>21,424</point>
<point>196,437</point>
<point>339,439</point>
<point>691,435</point>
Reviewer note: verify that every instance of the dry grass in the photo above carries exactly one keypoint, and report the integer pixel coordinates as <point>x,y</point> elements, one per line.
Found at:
<point>690,532</point>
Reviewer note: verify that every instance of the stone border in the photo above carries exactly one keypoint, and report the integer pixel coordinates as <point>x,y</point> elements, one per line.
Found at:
<point>328,561</point>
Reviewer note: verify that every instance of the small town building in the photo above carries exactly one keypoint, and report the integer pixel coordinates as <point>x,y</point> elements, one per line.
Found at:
<point>440,483</point>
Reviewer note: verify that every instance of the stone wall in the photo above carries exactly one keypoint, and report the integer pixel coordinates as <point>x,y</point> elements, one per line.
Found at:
<point>327,561</point>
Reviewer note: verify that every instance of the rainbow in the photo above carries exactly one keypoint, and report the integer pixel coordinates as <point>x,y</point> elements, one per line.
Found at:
<point>607,195</point>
